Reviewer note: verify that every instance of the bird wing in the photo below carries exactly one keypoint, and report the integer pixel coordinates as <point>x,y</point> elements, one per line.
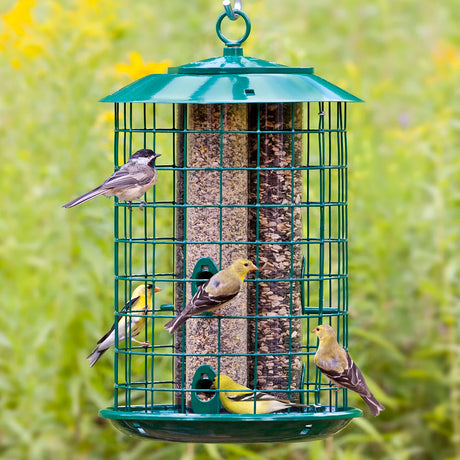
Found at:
<point>250,397</point>
<point>123,310</point>
<point>267,401</point>
<point>351,378</point>
<point>204,300</point>
<point>242,396</point>
<point>129,177</point>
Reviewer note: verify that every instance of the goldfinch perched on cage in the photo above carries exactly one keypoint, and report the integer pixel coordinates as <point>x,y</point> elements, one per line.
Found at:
<point>214,293</point>
<point>140,302</point>
<point>242,401</point>
<point>129,183</point>
<point>336,364</point>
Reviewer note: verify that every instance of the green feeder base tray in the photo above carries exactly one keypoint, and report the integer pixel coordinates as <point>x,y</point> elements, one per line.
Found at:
<point>167,423</point>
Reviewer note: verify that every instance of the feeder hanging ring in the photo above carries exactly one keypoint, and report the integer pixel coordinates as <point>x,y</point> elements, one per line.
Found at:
<point>227,41</point>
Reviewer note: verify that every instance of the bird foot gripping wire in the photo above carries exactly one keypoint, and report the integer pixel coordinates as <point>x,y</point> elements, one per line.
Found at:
<point>232,15</point>
<point>143,344</point>
<point>142,203</point>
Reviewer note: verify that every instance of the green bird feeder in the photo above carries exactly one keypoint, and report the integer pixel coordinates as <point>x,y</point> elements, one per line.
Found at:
<point>254,166</point>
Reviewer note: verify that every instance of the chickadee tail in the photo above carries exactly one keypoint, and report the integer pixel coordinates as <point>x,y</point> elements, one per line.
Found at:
<point>95,355</point>
<point>374,406</point>
<point>175,323</point>
<point>87,196</point>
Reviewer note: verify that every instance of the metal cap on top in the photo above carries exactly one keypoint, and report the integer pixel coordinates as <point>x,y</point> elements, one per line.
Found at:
<point>232,78</point>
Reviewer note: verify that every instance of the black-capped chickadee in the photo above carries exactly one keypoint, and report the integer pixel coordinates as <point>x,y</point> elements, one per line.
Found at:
<point>129,183</point>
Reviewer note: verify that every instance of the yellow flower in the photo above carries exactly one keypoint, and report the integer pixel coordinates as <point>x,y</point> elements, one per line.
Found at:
<point>446,54</point>
<point>446,58</point>
<point>137,68</point>
<point>19,17</point>
<point>19,37</point>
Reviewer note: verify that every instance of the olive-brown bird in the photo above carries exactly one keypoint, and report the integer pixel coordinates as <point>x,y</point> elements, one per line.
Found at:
<point>336,364</point>
<point>129,183</point>
<point>214,293</point>
<point>141,301</point>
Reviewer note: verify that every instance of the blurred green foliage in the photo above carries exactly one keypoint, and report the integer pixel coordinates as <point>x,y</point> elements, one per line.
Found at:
<point>58,58</point>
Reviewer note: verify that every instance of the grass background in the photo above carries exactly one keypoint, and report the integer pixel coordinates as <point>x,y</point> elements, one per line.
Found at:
<point>58,58</point>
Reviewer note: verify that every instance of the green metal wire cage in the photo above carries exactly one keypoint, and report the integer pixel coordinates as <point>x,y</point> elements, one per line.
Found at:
<point>254,165</point>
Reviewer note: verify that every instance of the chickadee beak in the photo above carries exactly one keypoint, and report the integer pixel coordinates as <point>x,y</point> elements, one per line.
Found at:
<point>157,155</point>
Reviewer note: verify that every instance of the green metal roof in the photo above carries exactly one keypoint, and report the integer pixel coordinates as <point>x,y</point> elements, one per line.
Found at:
<point>232,78</point>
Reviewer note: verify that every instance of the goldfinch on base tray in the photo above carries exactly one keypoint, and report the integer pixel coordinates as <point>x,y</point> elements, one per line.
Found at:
<point>242,402</point>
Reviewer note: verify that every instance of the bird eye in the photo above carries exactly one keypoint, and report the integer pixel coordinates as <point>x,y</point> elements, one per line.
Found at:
<point>246,264</point>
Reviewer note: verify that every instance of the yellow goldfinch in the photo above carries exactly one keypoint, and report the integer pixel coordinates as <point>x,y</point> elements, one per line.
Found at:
<point>214,293</point>
<point>336,364</point>
<point>129,183</point>
<point>242,402</point>
<point>140,302</point>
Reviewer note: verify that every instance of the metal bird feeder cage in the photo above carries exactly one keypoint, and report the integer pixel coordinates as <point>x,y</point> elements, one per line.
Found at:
<point>254,165</point>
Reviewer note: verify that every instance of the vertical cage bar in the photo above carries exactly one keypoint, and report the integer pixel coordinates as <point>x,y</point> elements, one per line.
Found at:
<point>180,183</point>
<point>146,262</point>
<point>345,224</point>
<point>116,254</point>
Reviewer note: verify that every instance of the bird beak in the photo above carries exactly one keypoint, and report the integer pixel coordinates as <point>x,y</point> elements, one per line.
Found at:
<point>157,289</point>
<point>314,331</point>
<point>253,267</point>
<point>157,155</point>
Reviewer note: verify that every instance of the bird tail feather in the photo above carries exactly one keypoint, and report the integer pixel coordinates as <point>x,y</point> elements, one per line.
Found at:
<point>374,406</point>
<point>175,323</point>
<point>300,405</point>
<point>95,355</point>
<point>87,196</point>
